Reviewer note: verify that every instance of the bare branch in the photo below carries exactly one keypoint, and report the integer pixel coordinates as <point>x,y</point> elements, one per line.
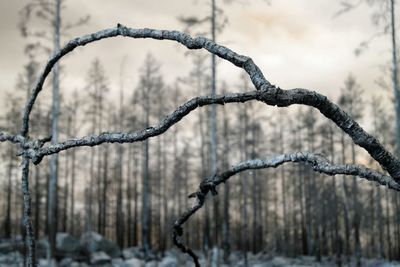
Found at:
<point>191,43</point>
<point>16,139</point>
<point>316,162</point>
<point>269,95</point>
<point>347,6</point>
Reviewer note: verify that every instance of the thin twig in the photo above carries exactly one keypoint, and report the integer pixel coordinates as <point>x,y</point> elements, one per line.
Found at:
<point>316,162</point>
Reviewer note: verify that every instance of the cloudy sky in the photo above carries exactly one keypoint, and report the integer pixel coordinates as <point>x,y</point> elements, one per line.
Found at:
<point>296,43</point>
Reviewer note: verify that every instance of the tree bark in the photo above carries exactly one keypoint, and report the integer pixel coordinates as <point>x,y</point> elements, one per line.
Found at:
<point>53,184</point>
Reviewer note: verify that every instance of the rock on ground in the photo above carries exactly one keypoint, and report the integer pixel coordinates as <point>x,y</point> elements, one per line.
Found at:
<point>93,242</point>
<point>66,243</point>
<point>97,258</point>
<point>133,262</point>
<point>168,262</point>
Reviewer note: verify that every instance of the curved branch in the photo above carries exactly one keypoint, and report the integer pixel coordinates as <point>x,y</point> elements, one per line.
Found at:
<point>316,162</point>
<point>16,139</point>
<point>271,95</point>
<point>243,62</point>
<point>267,93</point>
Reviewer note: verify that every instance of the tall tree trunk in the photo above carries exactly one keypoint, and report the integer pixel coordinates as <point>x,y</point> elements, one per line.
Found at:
<point>136,201</point>
<point>345,204</point>
<point>38,196</point>
<point>337,247</point>
<point>120,221</point>
<point>388,231</point>
<point>165,202</point>
<point>53,184</point>
<point>146,205</point>
<point>226,219</point>
<point>380,223</point>
<point>357,216</point>
<point>129,196</point>
<point>64,222</point>
<point>72,199</point>
<point>106,153</point>
<point>213,120</point>
<point>395,75</point>
<point>30,259</point>
<point>244,185</point>
<point>7,221</point>
<point>283,185</point>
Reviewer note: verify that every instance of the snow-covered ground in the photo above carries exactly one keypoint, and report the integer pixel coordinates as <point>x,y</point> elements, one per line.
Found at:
<point>94,250</point>
<point>173,259</point>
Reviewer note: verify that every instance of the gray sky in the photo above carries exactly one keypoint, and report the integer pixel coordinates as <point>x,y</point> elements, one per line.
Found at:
<point>296,43</point>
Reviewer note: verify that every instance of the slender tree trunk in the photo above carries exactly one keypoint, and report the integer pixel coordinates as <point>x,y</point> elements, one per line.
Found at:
<point>30,259</point>
<point>226,220</point>
<point>388,231</point>
<point>135,206</point>
<point>146,206</point>
<point>283,185</point>
<point>129,196</point>
<point>380,223</point>
<point>100,200</point>
<point>397,208</point>
<point>395,77</point>
<point>244,186</point>
<point>345,205</point>
<point>337,238</point>
<point>300,171</point>
<point>372,244</point>
<point>106,153</point>
<point>357,216</point>
<point>213,117</point>
<point>158,184</point>
<point>64,222</point>
<point>120,221</point>
<point>38,196</point>
<point>72,204</point>
<point>7,222</point>
<point>53,184</point>
<point>165,202</point>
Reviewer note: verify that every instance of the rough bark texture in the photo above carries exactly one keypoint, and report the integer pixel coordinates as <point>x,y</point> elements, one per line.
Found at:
<point>30,260</point>
<point>270,95</point>
<point>276,96</point>
<point>32,149</point>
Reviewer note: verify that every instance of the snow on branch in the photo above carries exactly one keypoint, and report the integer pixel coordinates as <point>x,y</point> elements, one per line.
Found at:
<point>314,161</point>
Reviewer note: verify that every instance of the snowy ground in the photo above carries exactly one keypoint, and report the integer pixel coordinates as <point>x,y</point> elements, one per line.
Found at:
<point>173,259</point>
<point>94,250</point>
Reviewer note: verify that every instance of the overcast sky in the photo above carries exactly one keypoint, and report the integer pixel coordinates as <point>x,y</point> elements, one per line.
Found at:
<point>296,43</point>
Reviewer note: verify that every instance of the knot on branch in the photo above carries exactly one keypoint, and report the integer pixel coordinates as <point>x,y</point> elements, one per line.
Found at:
<point>122,29</point>
<point>30,148</point>
<point>209,185</point>
<point>31,154</point>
